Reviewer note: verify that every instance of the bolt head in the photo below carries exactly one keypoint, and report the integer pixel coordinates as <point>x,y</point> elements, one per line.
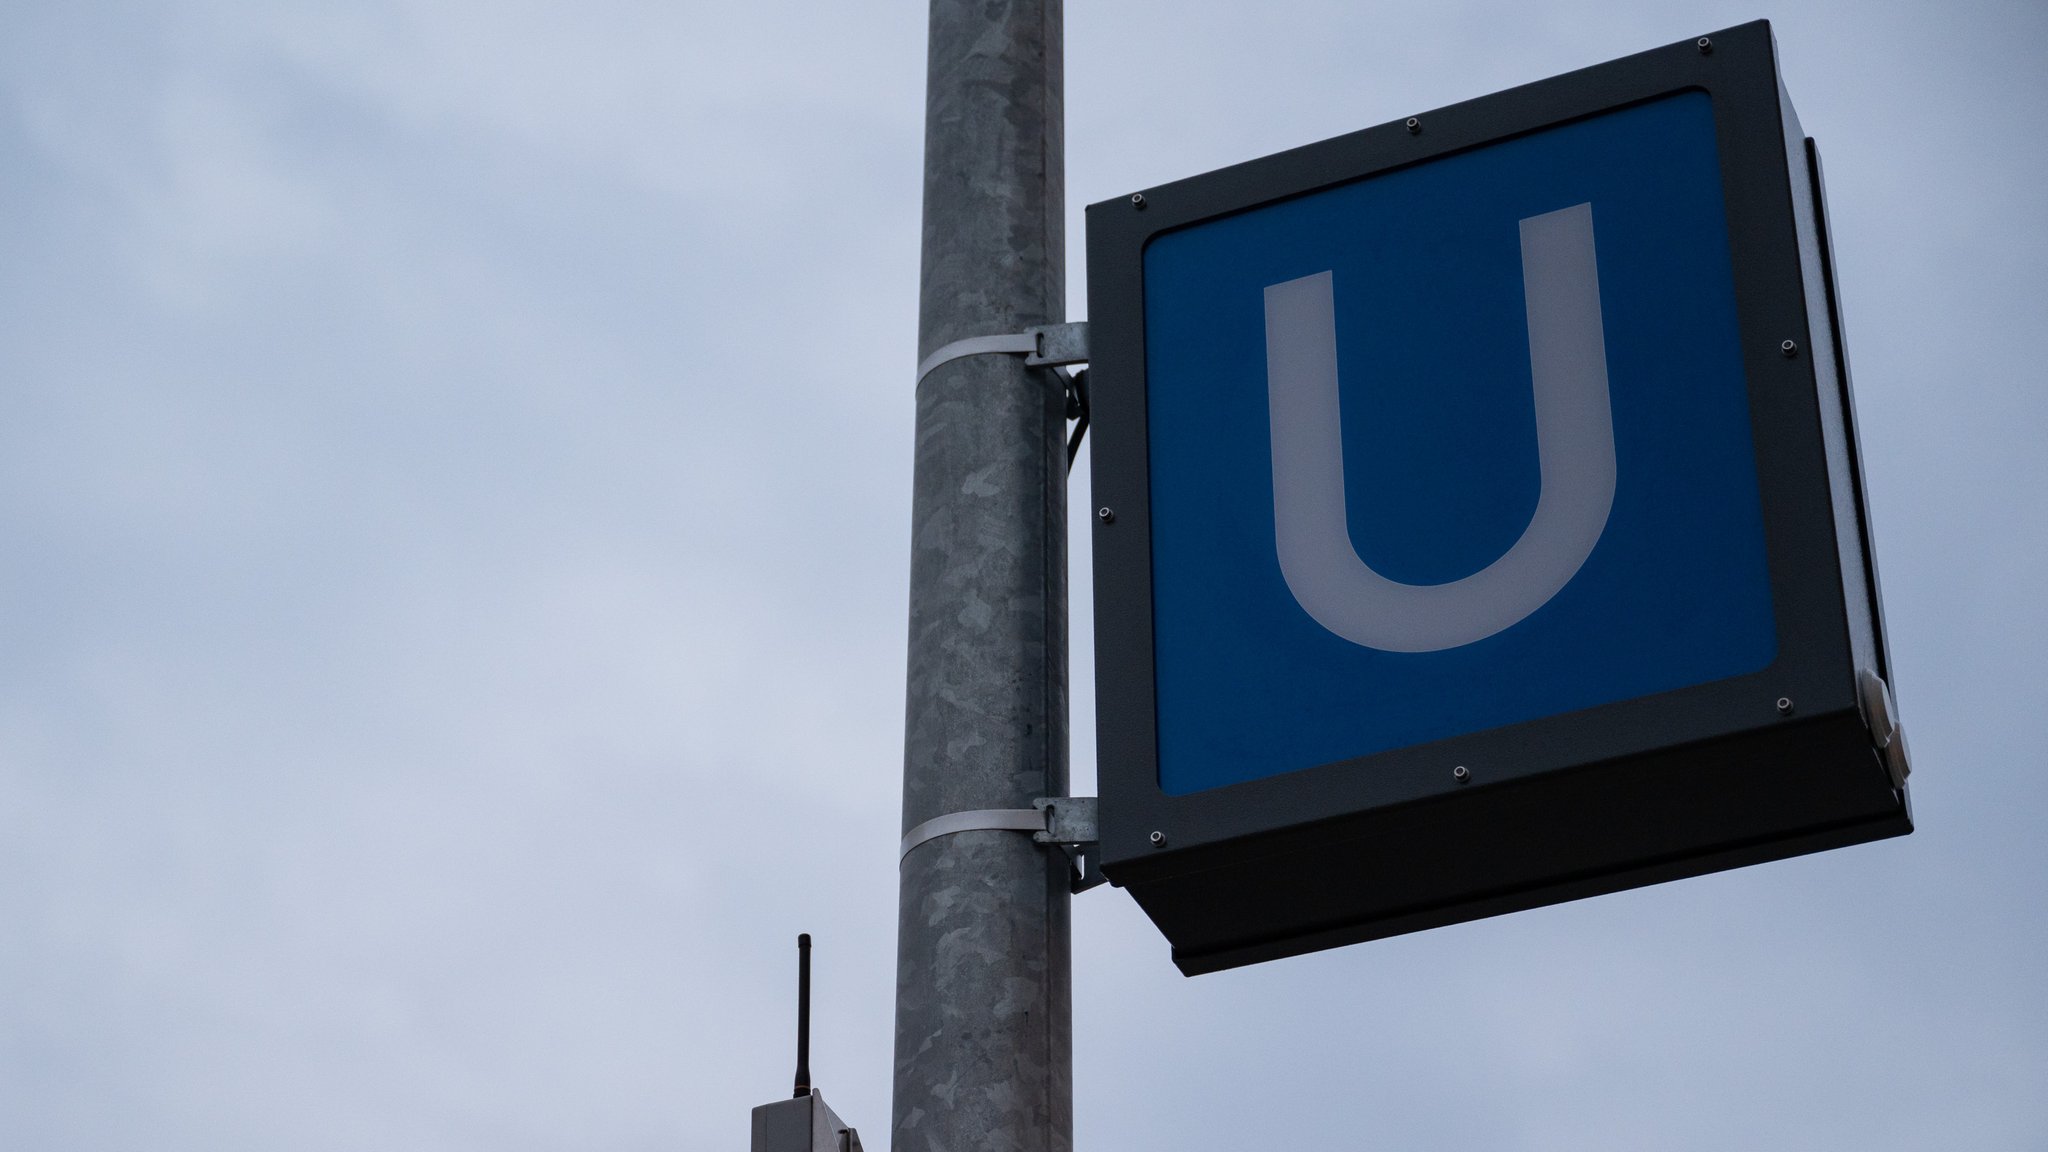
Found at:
<point>1461,774</point>
<point>1706,46</point>
<point>1137,199</point>
<point>1414,126</point>
<point>1784,705</point>
<point>1106,515</point>
<point>1789,349</point>
<point>1158,839</point>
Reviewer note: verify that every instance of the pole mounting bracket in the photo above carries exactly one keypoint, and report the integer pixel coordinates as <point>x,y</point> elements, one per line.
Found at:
<point>1059,344</point>
<point>1041,345</point>
<point>1051,346</point>
<point>1064,822</point>
<point>1071,826</point>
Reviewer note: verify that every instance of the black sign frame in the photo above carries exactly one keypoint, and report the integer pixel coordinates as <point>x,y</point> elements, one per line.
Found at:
<point>1796,758</point>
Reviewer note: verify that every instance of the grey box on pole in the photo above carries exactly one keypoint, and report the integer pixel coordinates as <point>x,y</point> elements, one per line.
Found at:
<point>803,1124</point>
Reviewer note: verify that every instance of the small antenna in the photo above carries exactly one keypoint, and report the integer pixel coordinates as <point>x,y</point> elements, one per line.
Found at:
<point>803,1014</point>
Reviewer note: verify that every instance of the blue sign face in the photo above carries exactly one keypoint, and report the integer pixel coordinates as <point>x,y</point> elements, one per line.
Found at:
<point>1450,448</point>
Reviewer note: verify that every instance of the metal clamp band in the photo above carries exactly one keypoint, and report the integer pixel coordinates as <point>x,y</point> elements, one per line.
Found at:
<point>1064,822</point>
<point>976,820</point>
<point>1041,346</point>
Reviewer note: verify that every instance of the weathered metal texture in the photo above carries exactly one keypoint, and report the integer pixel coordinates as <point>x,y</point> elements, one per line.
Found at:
<point>983,1027</point>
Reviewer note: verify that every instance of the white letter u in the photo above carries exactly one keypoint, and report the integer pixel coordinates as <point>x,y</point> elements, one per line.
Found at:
<point>1574,450</point>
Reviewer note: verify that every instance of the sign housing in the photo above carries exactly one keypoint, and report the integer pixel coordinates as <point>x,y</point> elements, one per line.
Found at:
<point>1482,524</point>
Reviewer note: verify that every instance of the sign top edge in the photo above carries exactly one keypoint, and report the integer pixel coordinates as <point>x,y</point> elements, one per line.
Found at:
<point>1586,91</point>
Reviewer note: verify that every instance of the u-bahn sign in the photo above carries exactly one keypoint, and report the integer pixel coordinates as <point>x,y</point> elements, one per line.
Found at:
<point>1480,521</point>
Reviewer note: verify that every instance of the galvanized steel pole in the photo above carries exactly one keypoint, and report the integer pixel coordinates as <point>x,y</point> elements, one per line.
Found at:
<point>983,1012</point>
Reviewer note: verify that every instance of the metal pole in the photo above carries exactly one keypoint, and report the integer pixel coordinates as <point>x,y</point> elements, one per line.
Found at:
<point>983,1004</point>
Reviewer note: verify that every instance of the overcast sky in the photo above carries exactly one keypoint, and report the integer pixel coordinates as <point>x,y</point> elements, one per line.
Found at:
<point>454,483</point>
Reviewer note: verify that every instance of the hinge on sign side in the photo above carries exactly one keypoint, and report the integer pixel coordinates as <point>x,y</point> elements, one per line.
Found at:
<point>1881,715</point>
